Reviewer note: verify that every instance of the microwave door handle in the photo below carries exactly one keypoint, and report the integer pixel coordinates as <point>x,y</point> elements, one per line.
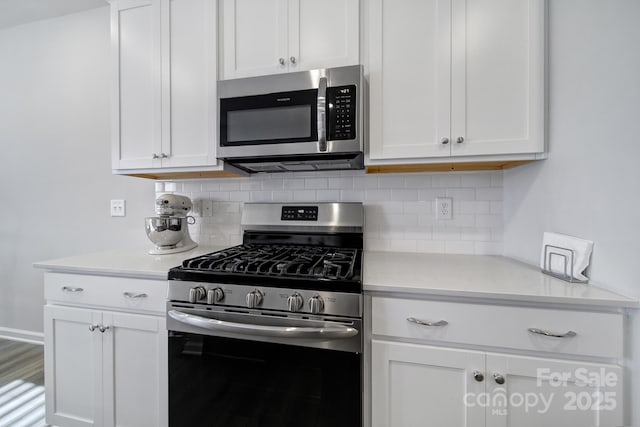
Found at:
<point>325,332</point>
<point>322,115</point>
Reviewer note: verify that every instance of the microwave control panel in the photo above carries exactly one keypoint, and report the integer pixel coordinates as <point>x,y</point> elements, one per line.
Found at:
<point>342,112</point>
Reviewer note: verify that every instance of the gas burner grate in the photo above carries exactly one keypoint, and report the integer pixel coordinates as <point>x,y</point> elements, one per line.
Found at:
<point>279,260</point>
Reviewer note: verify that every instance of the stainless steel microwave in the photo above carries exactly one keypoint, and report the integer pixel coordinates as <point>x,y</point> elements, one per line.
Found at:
<point>302,121</point>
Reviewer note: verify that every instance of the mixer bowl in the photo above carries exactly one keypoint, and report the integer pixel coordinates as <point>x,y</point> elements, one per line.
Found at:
<point>166,232</point>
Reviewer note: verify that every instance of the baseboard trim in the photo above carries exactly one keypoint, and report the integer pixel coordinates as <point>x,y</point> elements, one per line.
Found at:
<point>22,335</point>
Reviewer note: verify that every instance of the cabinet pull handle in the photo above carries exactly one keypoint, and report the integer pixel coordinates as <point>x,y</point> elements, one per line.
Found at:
<point>478,376</point>
<point>102,328</point>
<point>71,289</point>
<point>281,61</point>
<point>134,295</point>
<point>155,156</point>
<point>498,378</point>
<point>164,156</point>
<point>425,323</point>
<point>93,327</point>
<point>444,140</point>
<point>460,140</point>
<point>569,334</point>
<point>292,59</point>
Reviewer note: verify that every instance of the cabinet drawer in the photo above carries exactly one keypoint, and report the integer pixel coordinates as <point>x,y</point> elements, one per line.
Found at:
<point>111,292</point>
<point>597,334</point>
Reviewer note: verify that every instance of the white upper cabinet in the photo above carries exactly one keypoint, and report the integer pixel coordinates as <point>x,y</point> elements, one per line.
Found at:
<point>276,36</point>
<point>456,78</point>
<point>164,110</point>
<point>135,38</point>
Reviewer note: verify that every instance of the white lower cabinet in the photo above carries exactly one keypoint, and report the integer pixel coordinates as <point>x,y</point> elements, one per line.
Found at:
<point>104,367</point>
<point>422,374</point>
<point>416,385</point>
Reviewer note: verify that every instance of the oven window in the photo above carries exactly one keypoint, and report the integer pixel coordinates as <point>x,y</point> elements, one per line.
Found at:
<point>216,381</point>
<point>265,124</point>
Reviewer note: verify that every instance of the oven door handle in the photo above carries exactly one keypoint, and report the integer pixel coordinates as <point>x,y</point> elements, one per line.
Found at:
<point>330,332</point>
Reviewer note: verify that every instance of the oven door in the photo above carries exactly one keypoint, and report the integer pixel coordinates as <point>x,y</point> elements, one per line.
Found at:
<point>258,369</point>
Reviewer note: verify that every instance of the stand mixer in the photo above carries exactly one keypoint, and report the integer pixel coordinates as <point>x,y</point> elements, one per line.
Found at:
<point>169,231</point>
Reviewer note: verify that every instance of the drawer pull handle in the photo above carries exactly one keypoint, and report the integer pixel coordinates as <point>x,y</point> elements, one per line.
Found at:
<point>134,295</point>
<point>478,376</point>
<point>71,289</point>
<point>93,327</point>
<point>498,378</point>
<point>551,334</point>
<point>102,328</point>
<point>425,323</point>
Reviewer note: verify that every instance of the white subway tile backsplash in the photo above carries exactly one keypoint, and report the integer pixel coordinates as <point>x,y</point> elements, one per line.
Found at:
<point>261,196</point>
<point>351,196</point>
<point>273,184</point>
<point>491,194</point>
<point>327,195</point>
<point>209,186</point>
<point>461,194</point>
<point>491,221</point>
<point>251,185</point>
<point>283,196</point>
<point>399,208</point>
<point>475,180</point>
<point>293,184</point>
<point>445,180</point>
<point>316,183</point>
<point>240,196</point>
<point>431,246</point>
<point>341,182</point>
<point>402,194</point>
<point>304,196</point>
<point>390,181</point>
<point>363,182</point>
<point>432,193</point>
<point>376,195</point>
<point>467,248</point>
<point>417,181</point>
<point>230,186</point>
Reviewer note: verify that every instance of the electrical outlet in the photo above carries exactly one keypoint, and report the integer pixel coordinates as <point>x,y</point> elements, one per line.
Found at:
<point>444,208</point>
<point>118,208</point>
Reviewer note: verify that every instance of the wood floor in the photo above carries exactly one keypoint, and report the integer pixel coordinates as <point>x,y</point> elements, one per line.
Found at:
<point>21,384</point>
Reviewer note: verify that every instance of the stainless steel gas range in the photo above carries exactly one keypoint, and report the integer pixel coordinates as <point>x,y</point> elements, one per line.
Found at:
<point>269,333</point>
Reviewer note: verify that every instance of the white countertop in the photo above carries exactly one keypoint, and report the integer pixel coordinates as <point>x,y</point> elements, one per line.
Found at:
<point>132,262</point>
<point>477,276</point>
<point>469,276</point>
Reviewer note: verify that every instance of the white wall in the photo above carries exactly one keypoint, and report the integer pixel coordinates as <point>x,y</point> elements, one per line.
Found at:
<point>55,177</point>
<point>590,185</point>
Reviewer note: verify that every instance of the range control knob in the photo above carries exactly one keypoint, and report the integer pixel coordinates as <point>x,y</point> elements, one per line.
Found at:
<point>295,302</point>
<point>316,304</point>
<point>214,296</point>
<point>254,299</point>
<point>196,294</point>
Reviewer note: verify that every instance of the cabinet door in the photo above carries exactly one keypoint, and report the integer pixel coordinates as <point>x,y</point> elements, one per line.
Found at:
<point>548,392</point>
<point>323,34</point>
<point>409,75</point>
<point>73,355</point>
<point>189,70</point>
<point>415,385</point>
<point>135,40</point>
<point>254,37</point>
<point>135,370</point>
<point>497,76</point>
